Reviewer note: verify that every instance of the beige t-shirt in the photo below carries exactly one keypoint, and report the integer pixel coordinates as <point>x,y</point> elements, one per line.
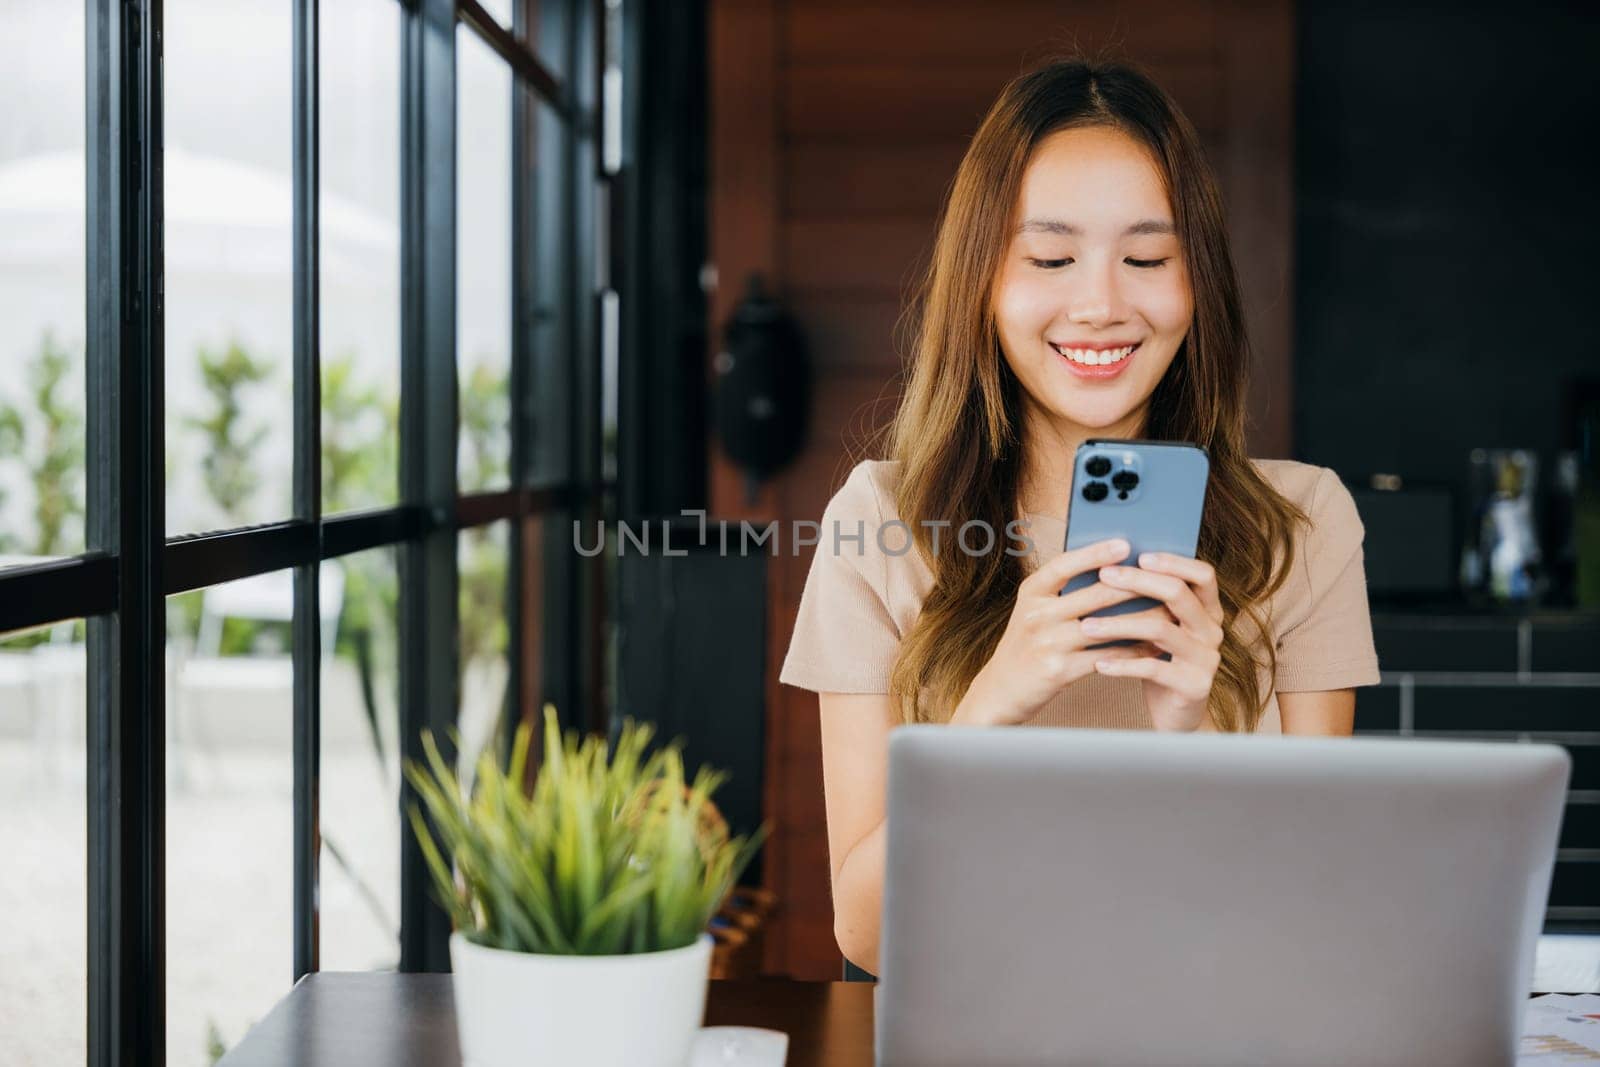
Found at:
<point>862,596</point>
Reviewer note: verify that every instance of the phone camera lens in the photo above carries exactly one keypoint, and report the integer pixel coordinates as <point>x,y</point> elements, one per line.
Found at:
<point>1098,466</point>
<point>1095,492</point>
<point>1125,480</point>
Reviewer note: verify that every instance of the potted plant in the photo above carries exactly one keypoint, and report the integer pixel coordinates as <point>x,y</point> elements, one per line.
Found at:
<point>580,906</point>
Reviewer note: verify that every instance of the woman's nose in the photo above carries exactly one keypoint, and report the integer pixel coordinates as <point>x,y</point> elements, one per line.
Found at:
<point>1098,299</point>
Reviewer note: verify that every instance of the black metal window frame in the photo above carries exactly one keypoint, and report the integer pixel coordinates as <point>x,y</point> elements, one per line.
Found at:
<point>120,583</point>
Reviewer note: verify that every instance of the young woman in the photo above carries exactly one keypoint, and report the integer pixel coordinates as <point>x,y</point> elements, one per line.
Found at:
<point>1081,286</point>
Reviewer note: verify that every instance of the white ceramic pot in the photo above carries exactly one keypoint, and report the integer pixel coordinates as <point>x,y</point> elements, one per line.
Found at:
<point>518,1009</point>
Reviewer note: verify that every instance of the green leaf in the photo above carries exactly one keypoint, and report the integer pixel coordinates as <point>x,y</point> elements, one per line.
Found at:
<point>609,850</point>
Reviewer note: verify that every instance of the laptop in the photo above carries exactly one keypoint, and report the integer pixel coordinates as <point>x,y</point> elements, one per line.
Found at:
<point>1117,897</point>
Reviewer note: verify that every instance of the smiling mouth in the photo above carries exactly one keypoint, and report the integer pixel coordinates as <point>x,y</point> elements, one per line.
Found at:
<point>1090,357</point>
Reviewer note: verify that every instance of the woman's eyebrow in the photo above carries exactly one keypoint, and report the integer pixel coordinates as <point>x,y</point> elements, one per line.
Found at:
<point>1159,227</point>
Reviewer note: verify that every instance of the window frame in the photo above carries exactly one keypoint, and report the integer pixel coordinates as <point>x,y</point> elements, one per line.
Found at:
<point>121,582</point>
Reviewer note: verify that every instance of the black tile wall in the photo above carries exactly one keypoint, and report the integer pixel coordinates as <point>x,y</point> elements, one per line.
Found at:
<point>1507,707</point>
<point>1567,646</point>
<point>1443,644</point>
<point>1423,644</point>
<point>1585,766</point>
<point>1576,884</point>
<point>1377,709</point>
<point>1580,826</point>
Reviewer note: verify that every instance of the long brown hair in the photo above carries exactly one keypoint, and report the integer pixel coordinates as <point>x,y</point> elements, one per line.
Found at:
<point>958,433</point>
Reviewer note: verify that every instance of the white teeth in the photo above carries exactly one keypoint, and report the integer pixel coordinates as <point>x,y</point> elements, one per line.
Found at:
<point>1091,358</point>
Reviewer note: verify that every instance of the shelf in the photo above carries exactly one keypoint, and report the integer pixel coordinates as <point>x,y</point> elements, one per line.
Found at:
<point>1463,611</point>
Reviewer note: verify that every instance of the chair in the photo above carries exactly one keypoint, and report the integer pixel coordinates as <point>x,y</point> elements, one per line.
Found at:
<point>267,598</point>
<point>852,973</point>
<point>46,683</point>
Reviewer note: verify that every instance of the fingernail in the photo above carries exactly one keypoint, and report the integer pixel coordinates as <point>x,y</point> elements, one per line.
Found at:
<point>1103,665</point>
<point>1090,626</point>
<point>1109,574</point>
<point>1120,547</point>
<point>1148,559</point>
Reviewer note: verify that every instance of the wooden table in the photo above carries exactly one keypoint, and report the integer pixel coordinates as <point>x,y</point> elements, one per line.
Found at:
<point>384,1019</point>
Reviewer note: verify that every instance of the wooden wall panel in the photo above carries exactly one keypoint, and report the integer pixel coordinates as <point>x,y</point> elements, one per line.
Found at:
<point>850,332</point>
<point>1256,169</point>
<point>836,180</point>
<point>1004,36</point>
<point>854,103</point>
<point>876,257</point>
<point>744,210</point>
<point>836,129</point>
<point>849,407</point>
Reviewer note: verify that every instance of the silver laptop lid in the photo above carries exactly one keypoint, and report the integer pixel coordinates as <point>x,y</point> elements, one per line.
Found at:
<point>1075,896</point>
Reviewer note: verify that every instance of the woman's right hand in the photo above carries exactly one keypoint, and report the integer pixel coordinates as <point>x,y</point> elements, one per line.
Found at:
<point>1043,650</point>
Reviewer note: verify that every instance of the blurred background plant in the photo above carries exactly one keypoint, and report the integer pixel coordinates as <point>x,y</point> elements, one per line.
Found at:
<point>41,444</point>
<point>360,468</point>
<point>229,443</point>
<point>485,428</point>
<point>45,434</point>
<point>42,447</point>
<point>484,464</point>
<point>42,472</point>
<point>10,448</point>
<point>360,460</point>
<point>231,438</point>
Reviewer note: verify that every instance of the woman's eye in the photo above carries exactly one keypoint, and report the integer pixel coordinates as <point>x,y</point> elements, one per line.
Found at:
<point>1146,263</point>
<point>1049,264</point>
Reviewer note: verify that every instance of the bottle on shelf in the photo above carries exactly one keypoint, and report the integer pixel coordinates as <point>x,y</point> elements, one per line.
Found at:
<point>1509,542</point>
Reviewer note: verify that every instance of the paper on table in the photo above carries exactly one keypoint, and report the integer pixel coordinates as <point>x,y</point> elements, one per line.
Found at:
<point>1561,1029</point>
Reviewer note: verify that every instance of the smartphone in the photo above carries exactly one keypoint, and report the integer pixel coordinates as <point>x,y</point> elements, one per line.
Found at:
<point>1149,493</point>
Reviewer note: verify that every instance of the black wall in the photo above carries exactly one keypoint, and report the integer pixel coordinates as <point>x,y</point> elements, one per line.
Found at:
<point>660,239</point>
<point>691,653</point>
<point>1446,241</point>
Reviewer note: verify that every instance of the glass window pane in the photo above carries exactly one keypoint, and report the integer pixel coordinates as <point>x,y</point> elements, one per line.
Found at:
<point>482,554</point>
<point>230,808</point>
<point>360,253</point>
<point>41,283</point>
<point>543,20</point>
<point>499,10</point>
<point>43,829</point>
<point>360,783</point>
<point>229,269</point>
<point>483,263</point>
<point>549,454</point>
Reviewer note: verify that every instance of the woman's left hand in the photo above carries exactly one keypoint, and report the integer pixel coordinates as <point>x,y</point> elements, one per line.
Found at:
<point>1187,624</point>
